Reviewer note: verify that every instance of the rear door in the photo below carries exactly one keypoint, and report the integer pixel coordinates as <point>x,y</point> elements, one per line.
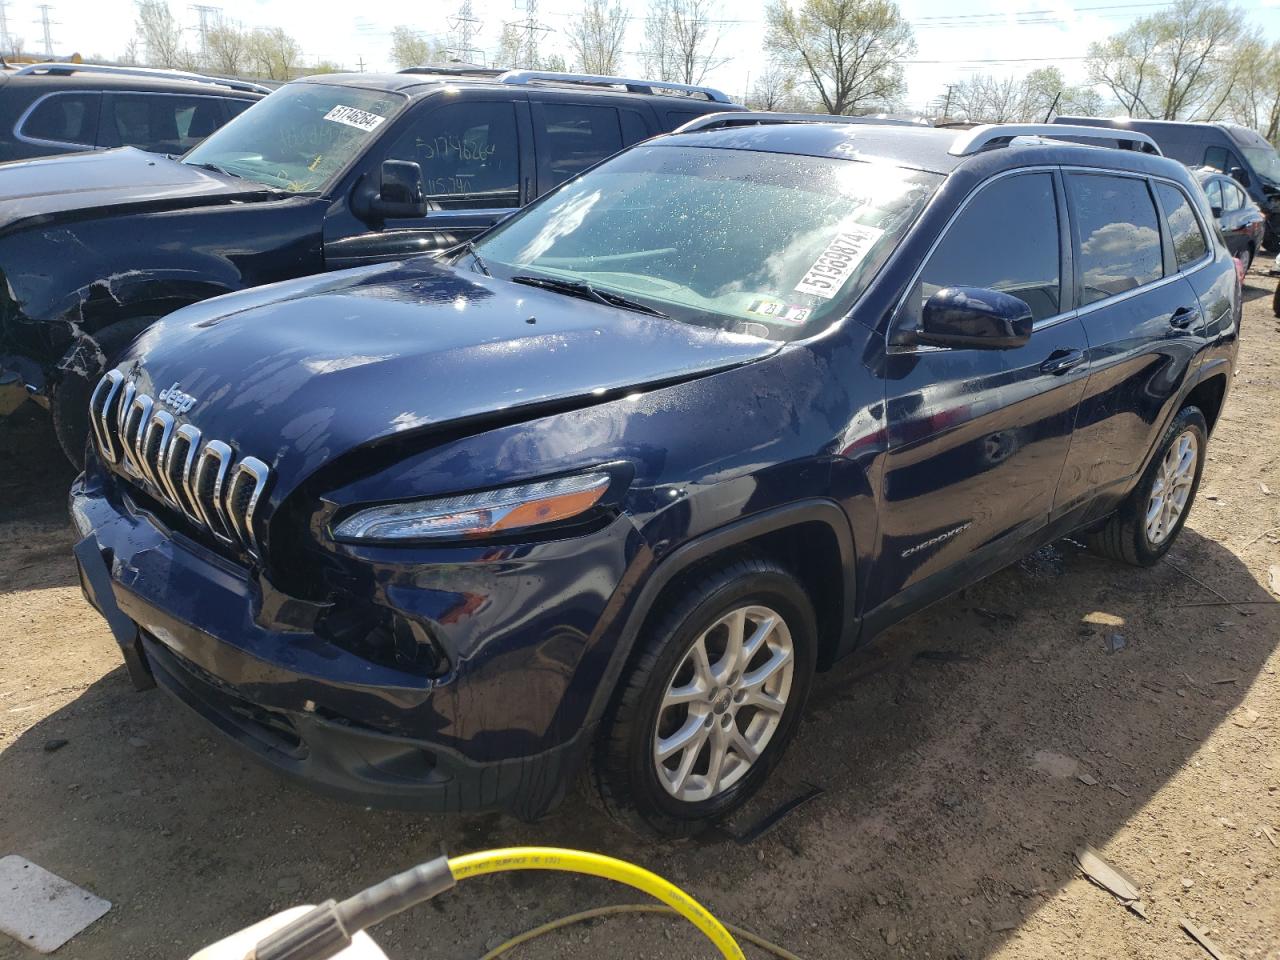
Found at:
<point>978,438</point>
<point>1143,322</point>
<point>475,153</point>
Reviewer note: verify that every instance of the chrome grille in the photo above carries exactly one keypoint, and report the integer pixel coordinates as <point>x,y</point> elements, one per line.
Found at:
<point>200,478</point>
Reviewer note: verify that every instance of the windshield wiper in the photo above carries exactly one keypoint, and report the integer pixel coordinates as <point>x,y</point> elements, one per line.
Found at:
<point>470,247</point>
<point>580,288</point>
<point>216,169</point>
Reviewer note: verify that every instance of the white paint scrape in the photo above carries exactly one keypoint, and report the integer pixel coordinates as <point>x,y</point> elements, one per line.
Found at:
<point>41,910</point>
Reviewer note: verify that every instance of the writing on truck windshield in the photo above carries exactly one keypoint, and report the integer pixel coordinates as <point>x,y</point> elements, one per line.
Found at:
<point>767,244</point>
<point>300,137</point>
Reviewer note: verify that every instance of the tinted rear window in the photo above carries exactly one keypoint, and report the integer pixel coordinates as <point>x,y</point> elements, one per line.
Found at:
<point>64,118</point>
<point>1188,240</point>
<point>1119,235</point>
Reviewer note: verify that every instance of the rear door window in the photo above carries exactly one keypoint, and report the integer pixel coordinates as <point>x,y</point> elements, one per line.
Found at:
<point>65,118</point>
<point>1213,190</point>
<point>1005,239</point>
<point>469,152</point>
<point>571,137</point>
<point>1189,243</point>
<point>1118,233</point>
<point>161,123</point>
<point>1232,197</point>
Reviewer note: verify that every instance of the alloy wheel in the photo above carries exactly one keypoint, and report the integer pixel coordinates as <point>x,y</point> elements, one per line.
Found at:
<point>724,703</point>
<point>1172,487</point>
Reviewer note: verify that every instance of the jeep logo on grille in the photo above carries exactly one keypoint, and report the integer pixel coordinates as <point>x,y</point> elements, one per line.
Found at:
<point>176,400</point>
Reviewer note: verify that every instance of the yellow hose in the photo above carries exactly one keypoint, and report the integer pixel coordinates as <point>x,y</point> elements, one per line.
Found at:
<point>656,908</point>
<point>596,865</point>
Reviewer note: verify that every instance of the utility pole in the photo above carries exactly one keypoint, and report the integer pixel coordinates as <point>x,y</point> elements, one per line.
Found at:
<point>946,110</point>
<point>359,63</point>
<point>209,16</point>
<point>6,42</point>
<point>45,23</point>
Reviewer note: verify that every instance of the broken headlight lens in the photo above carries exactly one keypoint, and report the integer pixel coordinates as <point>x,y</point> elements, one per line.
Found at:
<point>489,513</point>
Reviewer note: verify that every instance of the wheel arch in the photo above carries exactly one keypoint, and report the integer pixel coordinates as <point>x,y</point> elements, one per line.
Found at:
<point>812,538</point>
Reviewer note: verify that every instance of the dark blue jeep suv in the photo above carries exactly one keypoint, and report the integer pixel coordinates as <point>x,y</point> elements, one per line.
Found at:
<point>606,486</point>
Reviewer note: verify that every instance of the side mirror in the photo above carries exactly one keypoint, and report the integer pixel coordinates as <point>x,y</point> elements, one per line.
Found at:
<point>1215,212</point>
<point>1240,175</point>
<point>398,192</point>
<point>975,317</point>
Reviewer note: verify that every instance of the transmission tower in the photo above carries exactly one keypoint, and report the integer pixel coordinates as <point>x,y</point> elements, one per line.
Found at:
<point>528,55</point>
<point>45,24</point>
<point>208,15</point>
<point>465,27</point>
<point>6,41</point>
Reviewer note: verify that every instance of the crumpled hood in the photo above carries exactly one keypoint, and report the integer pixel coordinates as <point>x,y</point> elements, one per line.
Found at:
<point>306,372</point>
<point>79,182</point>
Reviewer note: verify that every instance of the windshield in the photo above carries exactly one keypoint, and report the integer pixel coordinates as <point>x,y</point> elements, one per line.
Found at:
<point>300,137</point>
<point>1265,162</point>
<point>774,245</point>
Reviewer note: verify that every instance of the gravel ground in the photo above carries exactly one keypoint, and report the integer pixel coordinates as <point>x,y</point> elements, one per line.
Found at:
<point>962,758</point>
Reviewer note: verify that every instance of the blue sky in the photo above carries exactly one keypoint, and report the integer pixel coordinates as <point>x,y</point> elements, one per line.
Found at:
<point>955,37</point>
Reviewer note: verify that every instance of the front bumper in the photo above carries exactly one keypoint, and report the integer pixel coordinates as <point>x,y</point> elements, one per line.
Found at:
<point>347,726</point>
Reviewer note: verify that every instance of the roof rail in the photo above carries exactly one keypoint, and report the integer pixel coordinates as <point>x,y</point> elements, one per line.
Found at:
<point>748,118</point>
<point>631,86</point>
<point>971,141</point>
<point>59,68</point>
<point>452,70</point>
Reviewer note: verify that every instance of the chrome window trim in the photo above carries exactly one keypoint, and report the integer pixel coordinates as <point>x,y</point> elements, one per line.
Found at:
<point>41,141</point>
<point>1057,318</point>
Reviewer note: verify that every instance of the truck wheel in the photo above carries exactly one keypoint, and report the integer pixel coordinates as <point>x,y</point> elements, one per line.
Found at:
<point>713,697</point>
<point>69,407</point>
<point>1145,526</point>
<point>69,402</point>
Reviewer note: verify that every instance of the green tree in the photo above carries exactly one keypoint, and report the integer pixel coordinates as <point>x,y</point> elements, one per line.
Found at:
<point>1255,98</point>
<point>273,54</point>
<point>1178,64</point>
<point>596,37</point>
<point>851,51</point>
<point>161,34</point>
<point>681,39</point>
<point>409,48</point>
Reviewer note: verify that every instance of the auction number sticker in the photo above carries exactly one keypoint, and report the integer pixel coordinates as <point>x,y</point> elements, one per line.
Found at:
<point>837,263</point>
<point>360,119</point>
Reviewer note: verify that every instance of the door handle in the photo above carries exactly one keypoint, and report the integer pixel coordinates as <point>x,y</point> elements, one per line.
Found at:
<point>1060,361</point>
<point>1182,317</point>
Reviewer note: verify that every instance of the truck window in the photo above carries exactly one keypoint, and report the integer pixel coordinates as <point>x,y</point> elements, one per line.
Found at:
<point>1189,244</point>
<point>572,137</point>
<point>161,123</point>
<point>987,247</point>
<point>469,152</point>
<point>1119,235</point>
<point>68,118</point>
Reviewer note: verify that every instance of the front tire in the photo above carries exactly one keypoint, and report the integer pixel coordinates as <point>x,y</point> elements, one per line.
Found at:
<point>710,702</point>
<point>1150,519</point>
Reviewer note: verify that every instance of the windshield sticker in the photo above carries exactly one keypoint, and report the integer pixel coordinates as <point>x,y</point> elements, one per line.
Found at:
<point>775,311</point>
<point>360,119</point>
<point>837,263</point>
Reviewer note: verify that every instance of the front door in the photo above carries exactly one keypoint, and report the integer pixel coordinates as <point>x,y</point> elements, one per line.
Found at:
<point>472,154</point>
<point>977,438</point>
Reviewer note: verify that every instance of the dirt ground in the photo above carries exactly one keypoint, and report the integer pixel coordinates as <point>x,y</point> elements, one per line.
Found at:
<point>962,759</point>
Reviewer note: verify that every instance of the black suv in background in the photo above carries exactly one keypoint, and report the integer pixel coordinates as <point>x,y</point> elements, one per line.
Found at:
<point>325,173</point>
<point>51,108</point>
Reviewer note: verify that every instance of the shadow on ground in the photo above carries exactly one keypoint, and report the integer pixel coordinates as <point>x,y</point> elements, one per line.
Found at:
<point>949,752</point>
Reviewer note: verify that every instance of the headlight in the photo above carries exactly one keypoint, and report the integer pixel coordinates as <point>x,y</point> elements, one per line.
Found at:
<point>477,514</point>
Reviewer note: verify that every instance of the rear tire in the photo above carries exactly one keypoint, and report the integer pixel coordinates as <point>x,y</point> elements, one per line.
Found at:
<point>1152,516</point>
<point>691,735</point>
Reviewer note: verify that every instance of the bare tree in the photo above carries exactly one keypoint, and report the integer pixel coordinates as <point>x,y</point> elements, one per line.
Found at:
<point>681,39</point>
<point>1036,97</point>
<point>273,53</point>
<point>851,51</point>
<point>596,37</point>
<point>161,33</point>
<point>774,89</point>
<point>130,55</point>
<point>409,48</point>
<point>1177,64</point>
<point>226,47</point>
